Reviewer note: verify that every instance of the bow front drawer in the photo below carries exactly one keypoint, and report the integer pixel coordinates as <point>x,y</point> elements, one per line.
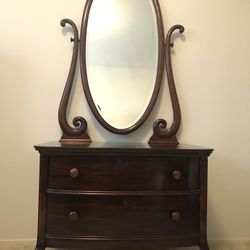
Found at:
<point>123,173</point>
<point>123,215</point>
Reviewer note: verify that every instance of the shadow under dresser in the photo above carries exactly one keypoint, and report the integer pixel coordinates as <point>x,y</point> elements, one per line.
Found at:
<point>124,196</point>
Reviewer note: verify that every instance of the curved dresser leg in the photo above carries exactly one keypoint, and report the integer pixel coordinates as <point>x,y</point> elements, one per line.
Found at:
<point>39,248</point>
<point>204,245</point>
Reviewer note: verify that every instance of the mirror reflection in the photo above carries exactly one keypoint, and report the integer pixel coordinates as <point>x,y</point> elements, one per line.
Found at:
<point>121,58</point>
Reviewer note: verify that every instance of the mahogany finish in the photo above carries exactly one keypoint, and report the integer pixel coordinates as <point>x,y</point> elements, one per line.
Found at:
<point>127,216</point>
<point>122,196</point>
<point>110,172</point>
<point>107,196</point>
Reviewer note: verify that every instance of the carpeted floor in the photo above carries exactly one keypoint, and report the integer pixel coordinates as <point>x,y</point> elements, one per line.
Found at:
<point>214,245</point>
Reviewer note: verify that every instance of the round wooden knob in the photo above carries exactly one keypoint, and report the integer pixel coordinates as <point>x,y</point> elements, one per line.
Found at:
<point>175,216</point>
<point>73,216</point>
<point>177,175</point>
<point>74,172</point>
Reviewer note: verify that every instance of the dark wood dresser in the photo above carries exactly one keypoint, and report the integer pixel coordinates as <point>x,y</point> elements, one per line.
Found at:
<point>122,196</point>
<point>119,196</point>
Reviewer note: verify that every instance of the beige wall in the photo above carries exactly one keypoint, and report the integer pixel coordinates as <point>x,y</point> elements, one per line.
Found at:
<point>212,71</point>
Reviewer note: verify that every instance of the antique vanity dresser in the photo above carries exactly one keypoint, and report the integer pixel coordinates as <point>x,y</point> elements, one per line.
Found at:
<point>122,196</point>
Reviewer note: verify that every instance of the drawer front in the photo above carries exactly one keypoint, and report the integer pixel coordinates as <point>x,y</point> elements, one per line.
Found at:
<point>122,215</point>
<point>123,173</point>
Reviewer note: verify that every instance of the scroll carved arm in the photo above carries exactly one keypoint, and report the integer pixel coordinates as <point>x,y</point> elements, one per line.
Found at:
<point>80,124</point>
<point>161,132</point>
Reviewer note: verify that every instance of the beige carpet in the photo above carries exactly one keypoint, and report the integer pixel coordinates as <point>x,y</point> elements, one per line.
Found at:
<point>214,245</point>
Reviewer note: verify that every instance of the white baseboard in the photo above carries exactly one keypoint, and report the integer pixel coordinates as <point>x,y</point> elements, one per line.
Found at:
<point>215,244</point>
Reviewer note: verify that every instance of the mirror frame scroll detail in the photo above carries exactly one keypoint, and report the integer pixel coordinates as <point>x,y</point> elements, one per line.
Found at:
<point>78,133</point>
<point>161,132</point>
<point>157,85</point>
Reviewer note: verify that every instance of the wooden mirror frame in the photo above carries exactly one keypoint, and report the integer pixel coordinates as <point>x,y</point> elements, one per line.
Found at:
<point>161,133</point>
<point>157,85</point>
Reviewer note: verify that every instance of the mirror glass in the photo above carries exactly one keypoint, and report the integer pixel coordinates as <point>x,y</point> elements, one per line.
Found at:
<point>122,58</point>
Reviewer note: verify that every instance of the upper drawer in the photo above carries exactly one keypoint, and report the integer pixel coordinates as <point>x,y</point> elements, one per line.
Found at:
<point>107,173</point>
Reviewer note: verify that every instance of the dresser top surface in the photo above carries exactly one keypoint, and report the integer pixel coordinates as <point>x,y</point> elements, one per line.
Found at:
<point>121,148</point>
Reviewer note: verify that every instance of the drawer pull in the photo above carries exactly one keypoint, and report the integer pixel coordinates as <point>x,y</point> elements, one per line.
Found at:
<point>73,216</point>
<point>177,175</point>
<point>175,216</point>
<point>74,172</point>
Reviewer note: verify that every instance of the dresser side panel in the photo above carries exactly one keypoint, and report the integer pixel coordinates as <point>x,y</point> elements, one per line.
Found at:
<point>42,208</point>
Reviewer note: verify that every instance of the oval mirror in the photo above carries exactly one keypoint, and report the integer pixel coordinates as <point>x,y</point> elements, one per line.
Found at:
<point>122,58</point>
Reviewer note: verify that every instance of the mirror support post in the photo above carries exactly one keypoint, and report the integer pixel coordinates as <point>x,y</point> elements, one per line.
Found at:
<point>76,134</point>
<point>162,134</point>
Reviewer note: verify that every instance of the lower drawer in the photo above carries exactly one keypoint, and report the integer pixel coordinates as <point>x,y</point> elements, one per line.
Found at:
<point>122,215</point>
